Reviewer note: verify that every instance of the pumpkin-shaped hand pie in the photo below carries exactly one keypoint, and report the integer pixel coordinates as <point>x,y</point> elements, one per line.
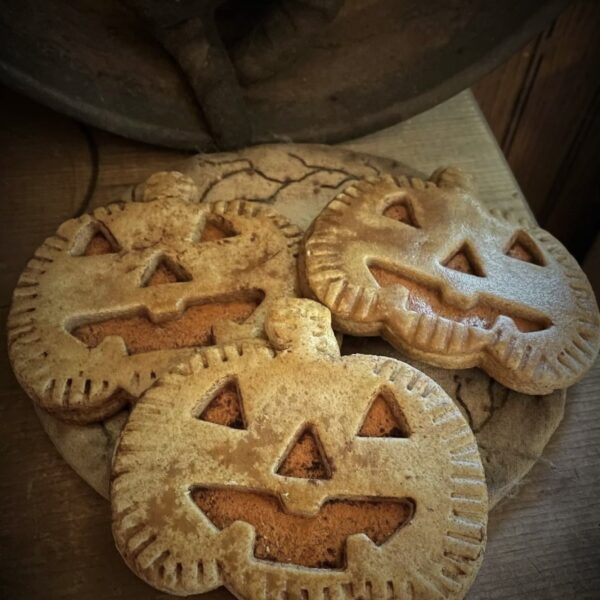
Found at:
<point>424,265</point>
<point>116,297</point>
<point>294,473</point>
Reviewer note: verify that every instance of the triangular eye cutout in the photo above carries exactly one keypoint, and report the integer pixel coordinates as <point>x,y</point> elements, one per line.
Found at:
<point>225,407</point>
<point>101,242</point>
<point>384,419</point>
<point>402,210</point>
<point>306,458</point>
<point>217,229</point>
<point>465,261</point>
<point>164,271</point>
<point>522,247</point>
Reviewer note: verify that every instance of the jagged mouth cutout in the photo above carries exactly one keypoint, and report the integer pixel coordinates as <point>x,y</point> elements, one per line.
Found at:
<point>193,327</point>
<point>317,541</point>
<point>427,299</point>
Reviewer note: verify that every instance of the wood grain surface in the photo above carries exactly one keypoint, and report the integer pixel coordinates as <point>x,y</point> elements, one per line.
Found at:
<point>55,538</point>
<point>544,107</point>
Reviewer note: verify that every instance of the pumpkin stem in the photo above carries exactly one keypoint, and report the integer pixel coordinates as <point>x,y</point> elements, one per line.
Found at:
<point>454,178</point>
<point>298,325</point>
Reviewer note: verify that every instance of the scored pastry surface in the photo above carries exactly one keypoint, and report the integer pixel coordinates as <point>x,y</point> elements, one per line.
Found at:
<point>424,265</point>
<point>116,297</point>
<point>209,489</point>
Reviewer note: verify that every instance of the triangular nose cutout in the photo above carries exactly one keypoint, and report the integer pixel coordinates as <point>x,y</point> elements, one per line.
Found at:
<point>306,458</point>
<point>465,261</point>
<point>165,271</point>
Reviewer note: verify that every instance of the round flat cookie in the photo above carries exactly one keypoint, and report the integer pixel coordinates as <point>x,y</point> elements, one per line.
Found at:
<point>422,264</point>
<point>116,297</point>
<point>299,472</point>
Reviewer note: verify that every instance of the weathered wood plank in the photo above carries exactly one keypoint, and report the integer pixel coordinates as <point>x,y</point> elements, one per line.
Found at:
<point>556,101</point>
<point>591,265</point>
<point>543,105</point>
<point>502,94</point>
<point>123,163</point>
<point>46,174</point>
<point>573,206</point>
<point>545,542</point>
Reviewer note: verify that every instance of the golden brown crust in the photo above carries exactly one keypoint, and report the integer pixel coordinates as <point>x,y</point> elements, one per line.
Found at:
<point>166,452</point>
<point>452,288</point>
<point>299,181</point>
<point>62,291</point>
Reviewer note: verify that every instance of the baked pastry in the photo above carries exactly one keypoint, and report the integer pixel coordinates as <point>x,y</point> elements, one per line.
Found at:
<point>298,181</point>
<point>292,470</point>
<point>116,297</point>
<point>422,264</point>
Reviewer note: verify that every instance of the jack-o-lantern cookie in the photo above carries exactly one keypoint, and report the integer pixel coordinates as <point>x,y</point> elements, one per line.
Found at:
<point>292,472</point>
<point>116,297</point>
<point>424,265</point>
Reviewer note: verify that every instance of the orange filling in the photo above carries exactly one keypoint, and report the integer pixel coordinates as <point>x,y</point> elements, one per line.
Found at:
<point>400,212</point>
<point>519,251</point>
<point>193,328</point>
<point>98,245</point>
<point>426,300</point>
<point>305,459</point>
<point>163,274</point>
<point>217,228</point>
<point>460,262</point>
<point>317,541</point>
<point>382,422</point>
<point>225,408</point>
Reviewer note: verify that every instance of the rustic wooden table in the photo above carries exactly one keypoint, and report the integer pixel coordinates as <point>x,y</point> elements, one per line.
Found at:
<point>55,538</point>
